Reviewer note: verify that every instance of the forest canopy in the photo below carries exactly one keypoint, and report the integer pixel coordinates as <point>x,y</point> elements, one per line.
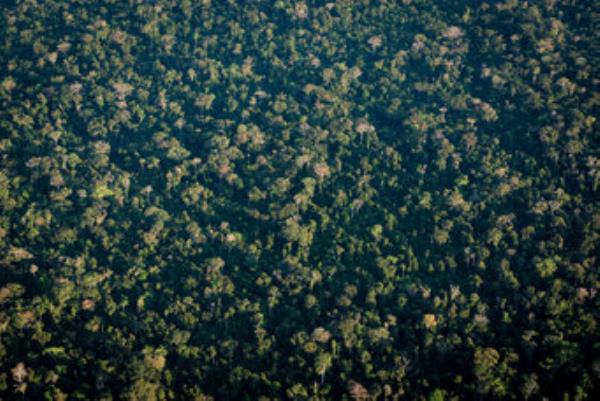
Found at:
<point>299,200</point>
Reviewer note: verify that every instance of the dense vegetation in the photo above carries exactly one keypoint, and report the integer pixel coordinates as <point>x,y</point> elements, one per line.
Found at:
<point>356,199</point>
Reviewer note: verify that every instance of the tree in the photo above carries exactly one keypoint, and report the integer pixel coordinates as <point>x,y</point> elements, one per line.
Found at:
<point>323,363</point>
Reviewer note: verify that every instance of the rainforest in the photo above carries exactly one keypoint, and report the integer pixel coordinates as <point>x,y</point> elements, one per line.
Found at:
<point>367,200</point>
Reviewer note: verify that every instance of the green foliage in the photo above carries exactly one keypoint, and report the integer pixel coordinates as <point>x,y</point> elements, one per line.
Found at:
<point>306,200</point>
